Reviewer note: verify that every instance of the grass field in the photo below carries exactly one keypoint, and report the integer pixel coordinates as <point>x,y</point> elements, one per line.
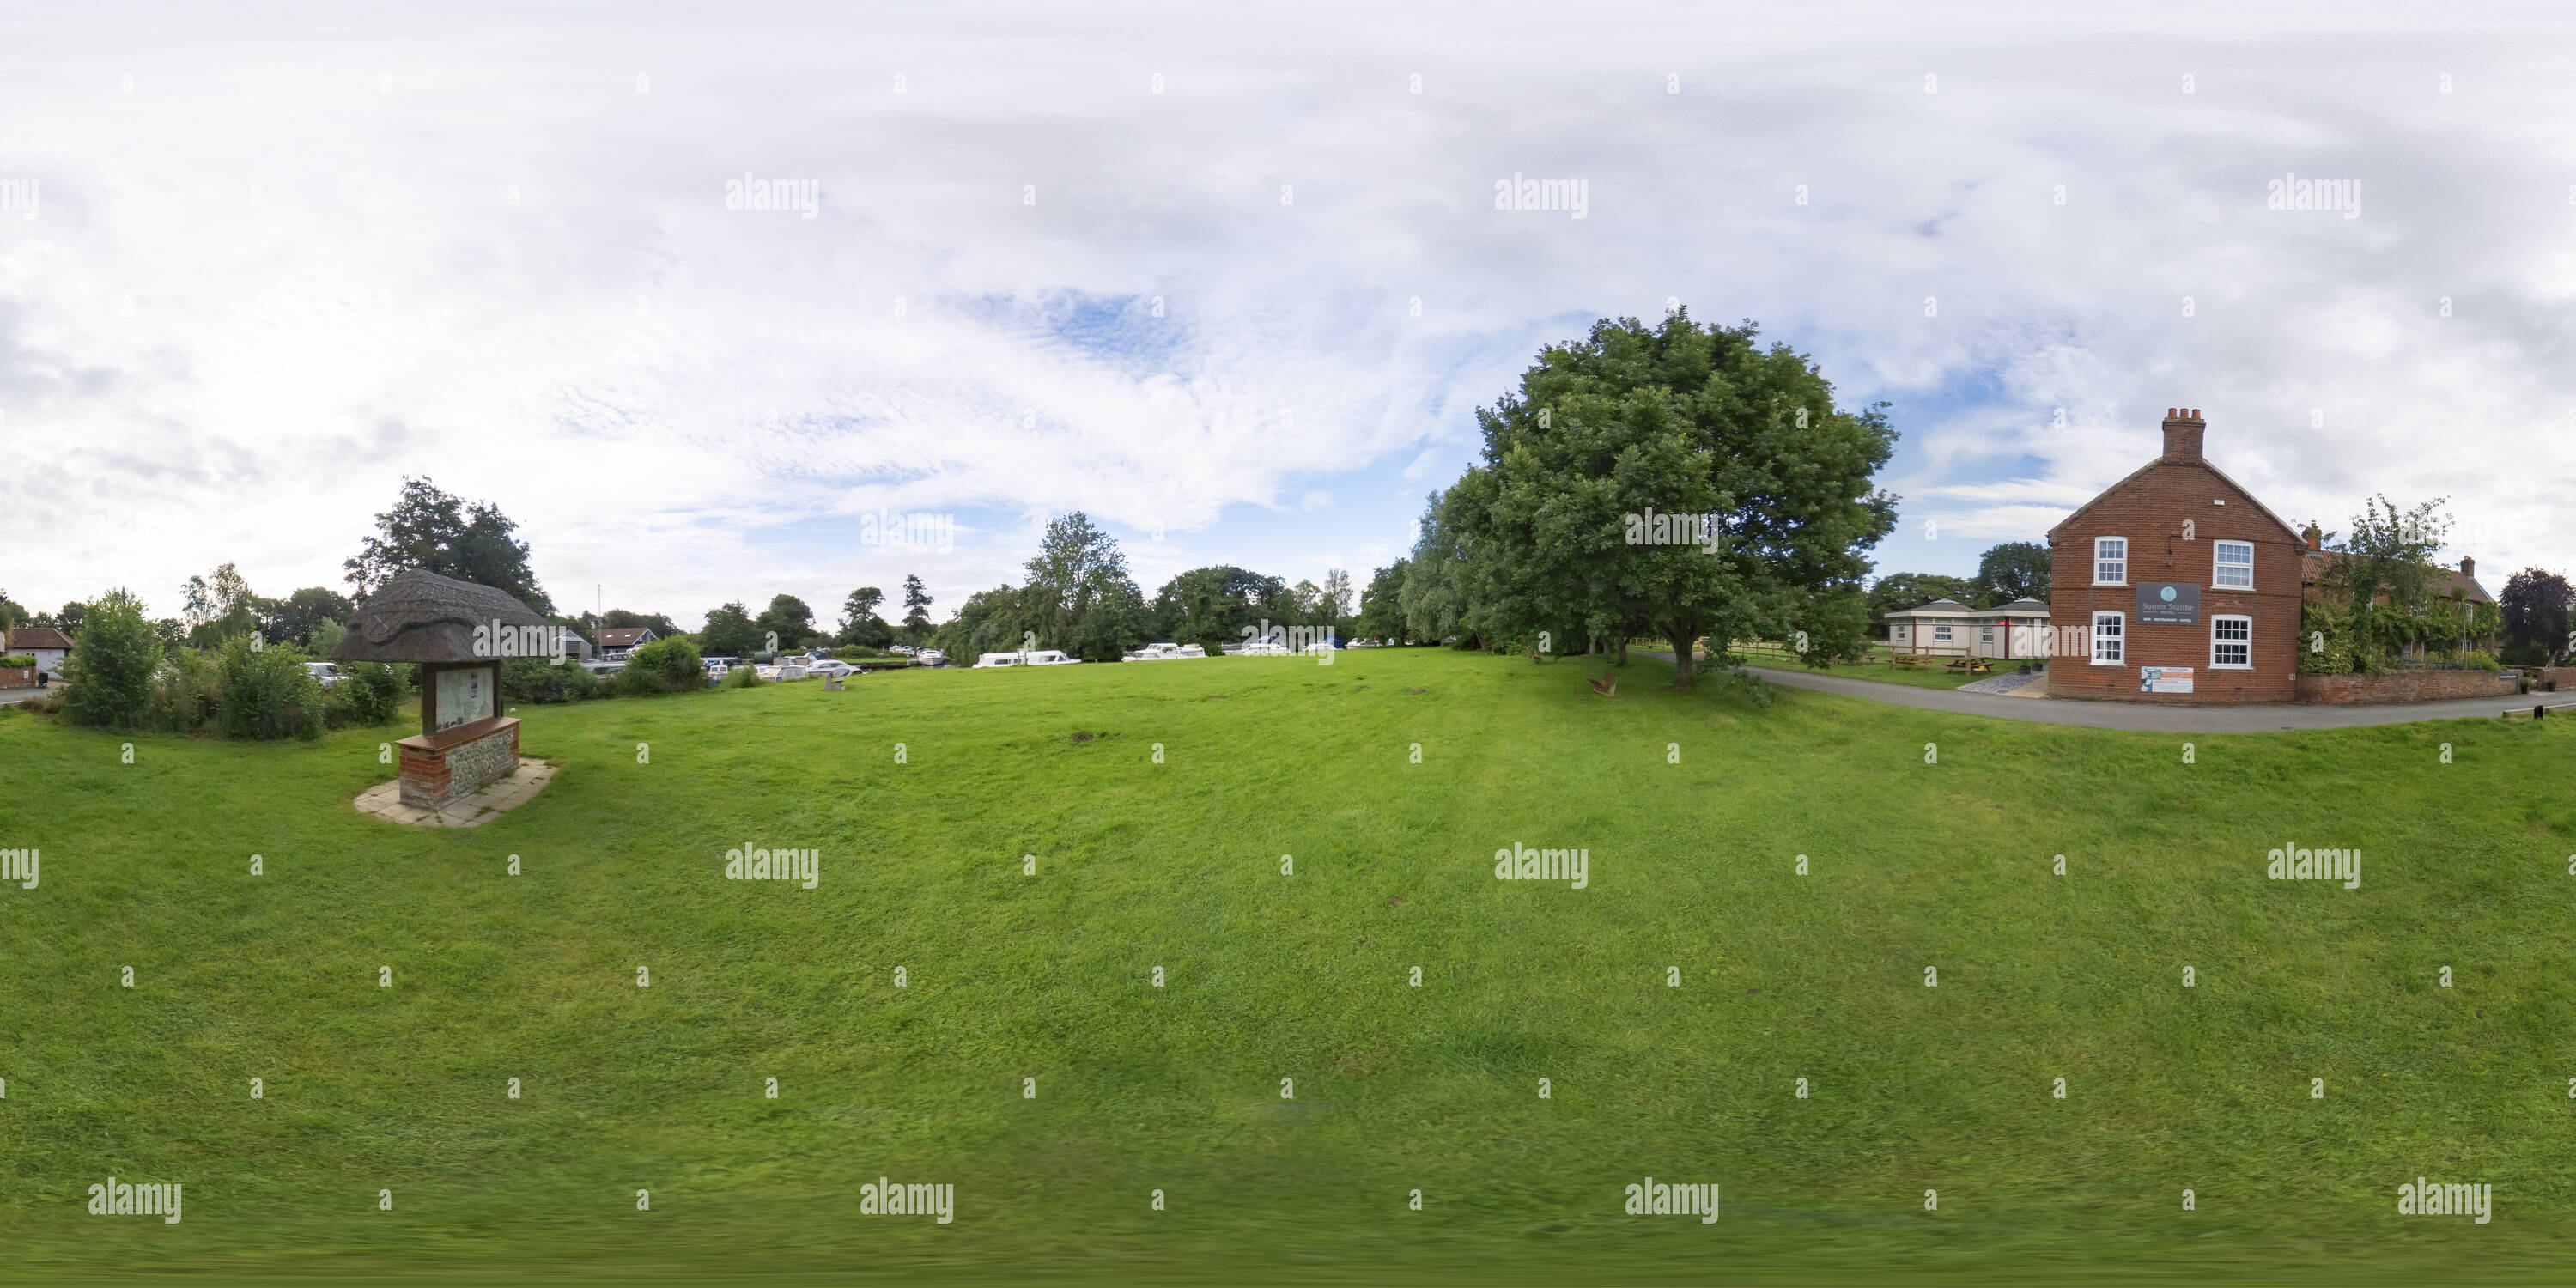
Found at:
<point>1268,977</point>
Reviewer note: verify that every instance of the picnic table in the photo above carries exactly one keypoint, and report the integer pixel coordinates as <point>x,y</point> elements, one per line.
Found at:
<point>1970,665</point>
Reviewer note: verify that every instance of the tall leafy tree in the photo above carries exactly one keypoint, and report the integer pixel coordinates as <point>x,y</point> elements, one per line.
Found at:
<point>730,633</point>
<point>1079,567</point>
<point>431,530</point>
<point>661,623</point>
<point>789,619</point>
<point>111,672</point>
<point>916,608</point>
<point>2538,606</point>
<point>1334,600</point>
<point>1381,614</point>
<point>2009,571</point>
<point>1902,590</point>
<point>1211,606</point>
<point>2390,553</point>
<point>294,617</point>
<point>1683,421</point>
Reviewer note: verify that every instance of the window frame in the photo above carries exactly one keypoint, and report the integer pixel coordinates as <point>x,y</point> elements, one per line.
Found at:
<point>2120,647</point>
<point>2218,565</point>
<point>2247,643</point>
<point>2099,560</point>
<point>1940,632</point>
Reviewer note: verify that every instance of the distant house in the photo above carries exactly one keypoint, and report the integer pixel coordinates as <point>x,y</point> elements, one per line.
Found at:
<point>44,643</point>
<point>2317,571</point>
<point>1948,628</point>
<point>617,641</point>
<point>574,646</point>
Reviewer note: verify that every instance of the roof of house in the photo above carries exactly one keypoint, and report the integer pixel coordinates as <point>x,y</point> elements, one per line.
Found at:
<point>420,616</point>
<point>2454,581</point>
<point>2024,607</point>
<point>622,636</point>
<point>2165,461</point>
<point>36,637</point>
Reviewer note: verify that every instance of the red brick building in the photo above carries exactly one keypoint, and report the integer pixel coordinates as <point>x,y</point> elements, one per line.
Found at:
<point>2175,585</point>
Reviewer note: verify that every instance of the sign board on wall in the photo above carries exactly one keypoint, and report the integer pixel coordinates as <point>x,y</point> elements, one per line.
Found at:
<point>2168,603</point>
<point>464,696</point>
<point>2164,679</point>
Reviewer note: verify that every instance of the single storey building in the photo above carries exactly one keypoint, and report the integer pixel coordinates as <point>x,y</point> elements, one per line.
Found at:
<point>44,643</point>
<point>1948,628</point>
<point>2176,585</point>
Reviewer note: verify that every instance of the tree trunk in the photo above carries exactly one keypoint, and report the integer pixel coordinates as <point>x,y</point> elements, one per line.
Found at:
<point>1684,676</point>
<point>1622,645</point>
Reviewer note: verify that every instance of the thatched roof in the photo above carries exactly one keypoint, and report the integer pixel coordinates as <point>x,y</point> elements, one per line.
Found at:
<point>422,617</point>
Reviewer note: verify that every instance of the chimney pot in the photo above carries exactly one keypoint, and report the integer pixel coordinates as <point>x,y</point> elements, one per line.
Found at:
<point>2468,566</point>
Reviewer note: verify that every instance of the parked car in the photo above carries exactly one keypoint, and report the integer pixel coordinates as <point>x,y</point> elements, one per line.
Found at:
<point>327,673</point>
<point>833,667</point>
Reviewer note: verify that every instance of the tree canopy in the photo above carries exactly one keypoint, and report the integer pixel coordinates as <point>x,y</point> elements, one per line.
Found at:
<point>1676,478</point>
<point>431,530</point>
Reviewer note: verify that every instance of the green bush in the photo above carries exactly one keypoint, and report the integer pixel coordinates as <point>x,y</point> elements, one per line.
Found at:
<point>2481,660</point>
<point>663,666</point>
<point>369,693</point>
<point>529,679</point>
<point>110,674</point>
<point>16,663</point>
<point>186,692</point>
<point>742,677</point>
<point>854,652</point>
<point>268,693</point>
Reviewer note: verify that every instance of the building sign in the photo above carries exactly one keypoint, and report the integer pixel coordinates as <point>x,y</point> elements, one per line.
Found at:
<point>2168,603</point>
<point>464,696</point>
<point>2164,679</point>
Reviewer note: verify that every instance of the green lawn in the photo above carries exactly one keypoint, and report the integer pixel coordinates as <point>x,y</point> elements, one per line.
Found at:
<point>1272,977</point>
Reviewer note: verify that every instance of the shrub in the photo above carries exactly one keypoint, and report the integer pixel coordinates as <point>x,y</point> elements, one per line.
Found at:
<point>668,665</point>
<point>185,692</point>
<point>742,677</point>
<point>16,663</point>
<point>528,679</point>
<point>369,693</point>
<point>854,652</point>
<point>2481,660</point>
<point>110,673</point>
<point>268,693</point>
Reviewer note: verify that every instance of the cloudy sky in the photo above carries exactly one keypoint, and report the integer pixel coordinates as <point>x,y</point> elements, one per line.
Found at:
<point>1230,278</point>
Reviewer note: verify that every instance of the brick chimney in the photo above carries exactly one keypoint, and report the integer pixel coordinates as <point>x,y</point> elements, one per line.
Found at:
<point>2183,428</point>
<point>2468,567</point>
<point>2316,536</point>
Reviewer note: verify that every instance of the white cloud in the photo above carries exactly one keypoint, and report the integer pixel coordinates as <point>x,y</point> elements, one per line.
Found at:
<point>191,374</point>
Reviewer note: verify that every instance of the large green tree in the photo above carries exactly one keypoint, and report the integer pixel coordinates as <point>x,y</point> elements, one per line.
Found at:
<point>1210,606</point>
<point>730,633</point>
<point>431,530</point>
<point>1764,484</point>
<point>1078,571</point>
<point>789,619</point>
<point>2537,607</point>
<point>2009,571</point>
<point>1902,590</point>
<point>110,674</point>
<point>1381,614</point>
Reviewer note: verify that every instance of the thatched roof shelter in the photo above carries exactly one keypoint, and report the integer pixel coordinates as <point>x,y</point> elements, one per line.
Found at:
<point>422,617</point>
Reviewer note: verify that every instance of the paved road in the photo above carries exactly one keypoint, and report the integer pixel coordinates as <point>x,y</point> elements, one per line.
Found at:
<point>2251,718</point>
<point>8,696</point>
